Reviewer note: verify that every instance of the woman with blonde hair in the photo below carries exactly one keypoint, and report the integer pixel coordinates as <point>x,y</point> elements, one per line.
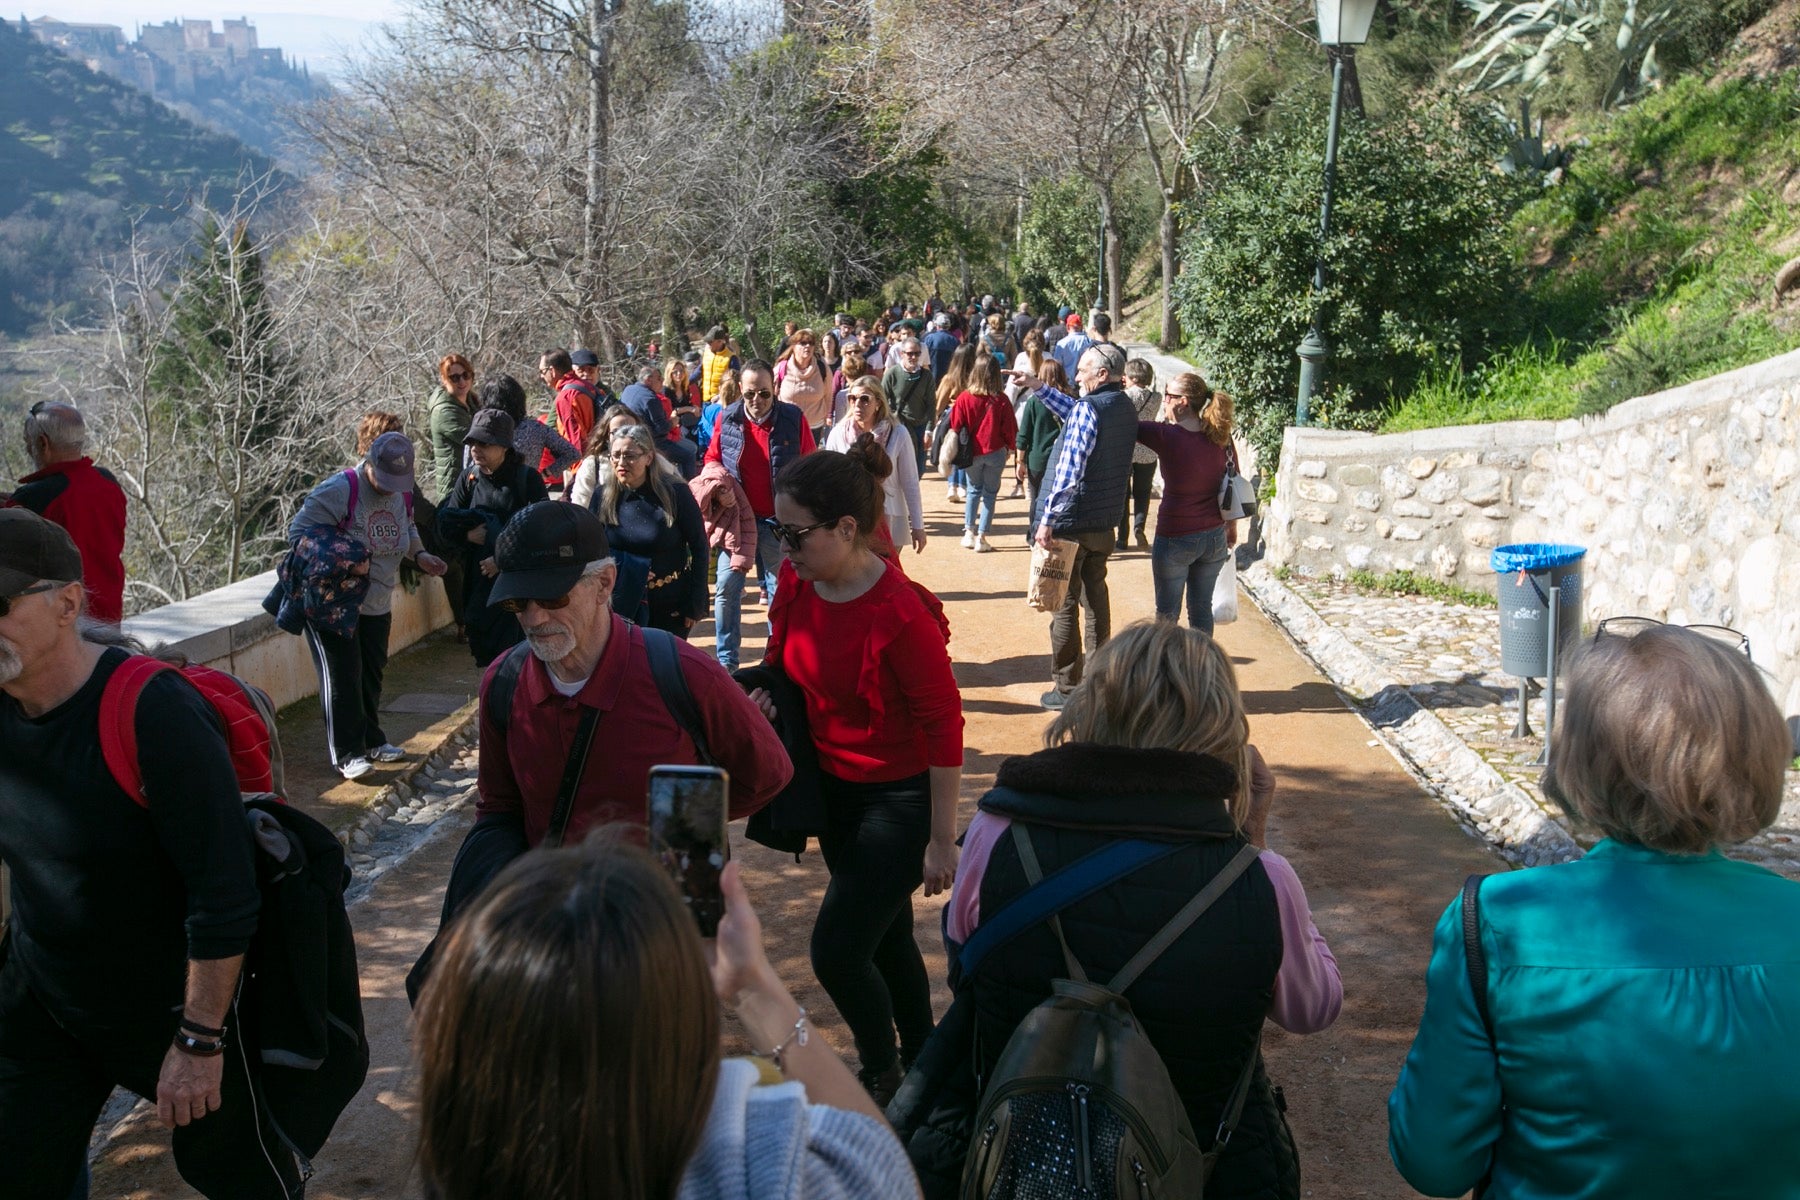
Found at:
<point>568,1047</point>
<point>1193,539</point>
<point>866,411</point>
<point>801,380</point>
<point>1153,745</point>
<point>1624,1025</point>
<point>655,534</point>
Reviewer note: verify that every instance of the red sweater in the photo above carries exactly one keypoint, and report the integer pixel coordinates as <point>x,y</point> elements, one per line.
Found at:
<point>881,700</point>
<point>990,420</point>
<point>88,502</point>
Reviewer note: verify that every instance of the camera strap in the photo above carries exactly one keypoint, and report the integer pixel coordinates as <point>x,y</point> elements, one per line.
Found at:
<point>571,779</point>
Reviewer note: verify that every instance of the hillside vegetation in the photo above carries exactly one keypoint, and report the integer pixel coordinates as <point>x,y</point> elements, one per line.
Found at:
<point>83,157</point>
<point>1652,263</point>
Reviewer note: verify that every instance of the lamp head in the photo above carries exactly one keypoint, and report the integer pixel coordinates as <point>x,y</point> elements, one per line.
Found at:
<point>1345,22</point>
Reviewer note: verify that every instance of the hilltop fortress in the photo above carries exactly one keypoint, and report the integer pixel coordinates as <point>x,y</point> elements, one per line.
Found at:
<point>176,60</point>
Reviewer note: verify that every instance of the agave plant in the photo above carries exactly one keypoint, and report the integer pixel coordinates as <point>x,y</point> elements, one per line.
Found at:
<point>1521,42</point>
<point>1528,151</point>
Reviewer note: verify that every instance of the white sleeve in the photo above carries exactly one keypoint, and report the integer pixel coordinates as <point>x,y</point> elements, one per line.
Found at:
<point>582,490</point>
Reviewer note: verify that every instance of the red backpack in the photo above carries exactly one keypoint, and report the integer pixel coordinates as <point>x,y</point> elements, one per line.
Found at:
<point>245,710</point>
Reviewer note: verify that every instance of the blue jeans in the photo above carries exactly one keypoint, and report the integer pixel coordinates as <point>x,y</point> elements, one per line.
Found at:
<point>1192,561</point>
<point>728,594</point>
<point>984,486</point>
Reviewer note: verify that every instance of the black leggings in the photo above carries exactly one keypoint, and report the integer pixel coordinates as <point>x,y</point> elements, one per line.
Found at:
<point>1143,478</point>
<point>350,673</point>
<point>863,950</point>
<point>53,1086</point>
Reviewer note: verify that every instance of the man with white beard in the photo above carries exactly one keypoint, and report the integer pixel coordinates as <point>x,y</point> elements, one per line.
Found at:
<point>588,665</point>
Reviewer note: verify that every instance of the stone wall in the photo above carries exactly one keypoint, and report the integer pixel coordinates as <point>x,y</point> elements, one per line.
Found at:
<point>1688,502</point>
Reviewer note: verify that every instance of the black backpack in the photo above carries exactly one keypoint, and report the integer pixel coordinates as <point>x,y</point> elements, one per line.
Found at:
<point>1080,1104</point>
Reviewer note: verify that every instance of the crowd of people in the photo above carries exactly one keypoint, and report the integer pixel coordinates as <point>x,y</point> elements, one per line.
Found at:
<point>1617,1026</point>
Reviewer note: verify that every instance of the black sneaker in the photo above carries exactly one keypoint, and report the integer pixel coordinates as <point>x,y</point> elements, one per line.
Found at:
<point>881,1085</point>
<point>1054,700</point>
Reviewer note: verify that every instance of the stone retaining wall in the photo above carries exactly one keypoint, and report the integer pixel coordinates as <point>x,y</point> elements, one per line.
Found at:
<point>1688,502</point>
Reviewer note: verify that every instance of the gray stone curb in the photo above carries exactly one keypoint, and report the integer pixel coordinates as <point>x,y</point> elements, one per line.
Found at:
<point>1483,801</point>
<point>416,800</point>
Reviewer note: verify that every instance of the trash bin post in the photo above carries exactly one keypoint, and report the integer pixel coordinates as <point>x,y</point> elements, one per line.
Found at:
<point>1543,759</point>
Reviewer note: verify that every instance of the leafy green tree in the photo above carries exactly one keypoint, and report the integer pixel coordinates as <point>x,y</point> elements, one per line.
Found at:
<point>1058,244</point>
<point>1419,270</point>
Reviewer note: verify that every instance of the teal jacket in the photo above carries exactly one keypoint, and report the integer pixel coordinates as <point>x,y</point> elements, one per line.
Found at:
<point>1646,1007</point>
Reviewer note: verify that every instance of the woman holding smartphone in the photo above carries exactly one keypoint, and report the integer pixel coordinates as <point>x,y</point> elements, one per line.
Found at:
<point>868,649</point>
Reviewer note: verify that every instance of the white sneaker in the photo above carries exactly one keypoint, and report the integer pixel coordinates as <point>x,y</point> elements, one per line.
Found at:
<point>968,539</point>
<point>387,752</point>
<point>983,546</point>
<point>950,492</point>
<point>355,768</point>
<point>962,493</point>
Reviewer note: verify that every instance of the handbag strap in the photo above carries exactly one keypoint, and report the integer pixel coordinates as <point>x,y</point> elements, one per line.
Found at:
<point>1472,951</point>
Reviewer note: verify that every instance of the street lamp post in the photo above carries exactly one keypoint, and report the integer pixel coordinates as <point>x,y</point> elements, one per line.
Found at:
<point>1343,24</point>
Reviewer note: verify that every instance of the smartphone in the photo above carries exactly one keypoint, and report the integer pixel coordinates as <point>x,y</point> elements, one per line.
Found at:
<point>687,810</point>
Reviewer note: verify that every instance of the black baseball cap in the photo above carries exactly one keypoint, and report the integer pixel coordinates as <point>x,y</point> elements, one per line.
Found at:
<point>543,549</point>
<point>31,549</point>
<point>584,358</point>
<point>491,427</point>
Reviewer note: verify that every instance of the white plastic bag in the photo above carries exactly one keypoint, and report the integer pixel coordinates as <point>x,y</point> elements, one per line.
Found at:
<point>1224,597</point>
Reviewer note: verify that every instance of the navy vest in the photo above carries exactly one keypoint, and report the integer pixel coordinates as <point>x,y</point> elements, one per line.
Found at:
<point>1101,491</point>
<point>784,438</point>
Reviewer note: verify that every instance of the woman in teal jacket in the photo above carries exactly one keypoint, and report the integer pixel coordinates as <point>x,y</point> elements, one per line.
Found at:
<point>1644,1001</point>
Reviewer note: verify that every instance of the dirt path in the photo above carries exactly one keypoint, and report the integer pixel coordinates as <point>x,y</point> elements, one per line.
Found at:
<point>1378,858</point>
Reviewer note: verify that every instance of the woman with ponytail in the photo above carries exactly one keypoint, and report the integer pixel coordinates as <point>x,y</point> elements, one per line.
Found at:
<point>1192,538</point>
<point>868,649</point>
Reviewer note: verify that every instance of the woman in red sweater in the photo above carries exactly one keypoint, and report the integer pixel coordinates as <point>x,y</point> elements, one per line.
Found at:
<point>1192,538</point>
<point>984,415</point>
<point>868,648</point>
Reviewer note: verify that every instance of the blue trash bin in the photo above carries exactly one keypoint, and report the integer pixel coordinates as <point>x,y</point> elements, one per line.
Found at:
<point>1527,573</point>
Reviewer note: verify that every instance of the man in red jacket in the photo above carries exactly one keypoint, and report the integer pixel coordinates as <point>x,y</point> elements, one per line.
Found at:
<point>66,487</point>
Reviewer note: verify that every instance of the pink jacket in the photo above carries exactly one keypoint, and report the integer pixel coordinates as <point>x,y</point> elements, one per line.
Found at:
<point>729,528</point>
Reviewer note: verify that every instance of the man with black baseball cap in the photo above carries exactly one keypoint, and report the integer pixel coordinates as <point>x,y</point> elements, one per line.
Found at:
<point>556,573</point>
<point>130,919</point>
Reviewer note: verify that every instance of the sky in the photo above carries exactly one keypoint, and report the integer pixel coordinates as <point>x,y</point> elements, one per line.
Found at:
<point>319,36</point>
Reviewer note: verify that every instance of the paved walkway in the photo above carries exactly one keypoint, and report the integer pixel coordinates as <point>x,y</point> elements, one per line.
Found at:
<point>1379,858</point>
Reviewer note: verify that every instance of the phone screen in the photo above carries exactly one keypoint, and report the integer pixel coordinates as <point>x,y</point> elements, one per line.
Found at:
<point>687,835</point>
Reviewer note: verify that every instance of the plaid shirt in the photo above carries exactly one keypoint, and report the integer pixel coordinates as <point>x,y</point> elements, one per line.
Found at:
<point>1081,426</point>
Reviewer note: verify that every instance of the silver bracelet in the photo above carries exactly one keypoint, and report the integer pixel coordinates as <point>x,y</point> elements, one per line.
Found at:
<point>796,1037</point>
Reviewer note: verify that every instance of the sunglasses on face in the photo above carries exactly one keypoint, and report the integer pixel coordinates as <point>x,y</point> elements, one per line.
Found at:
<point>457,376</point>
<point>6,602</point>
<point>627,456</point>
<point>758,394</point>
<point>862,398</point>
<point>518,606</point>
<point>791,536</point>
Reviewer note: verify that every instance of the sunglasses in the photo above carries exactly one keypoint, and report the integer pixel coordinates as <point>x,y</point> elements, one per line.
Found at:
<point>457,376</point>
<point>860,398</point>
<point>791,536</point>
<point>627,456</point>
<point>6,601</point>
<point>758,394</point>
<point>518,605</point>
<point>1632,626</point>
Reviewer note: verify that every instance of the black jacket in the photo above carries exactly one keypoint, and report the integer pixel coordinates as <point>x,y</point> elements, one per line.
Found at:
<point>1202,1004</point>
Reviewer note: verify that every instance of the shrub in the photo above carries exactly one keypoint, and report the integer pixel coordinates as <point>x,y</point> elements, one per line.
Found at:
<point>1419,266</point>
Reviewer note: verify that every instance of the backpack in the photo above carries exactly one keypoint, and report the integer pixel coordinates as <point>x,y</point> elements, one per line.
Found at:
<point>301,999</point>
<point>243,708</point>
<point>1080,1103</point>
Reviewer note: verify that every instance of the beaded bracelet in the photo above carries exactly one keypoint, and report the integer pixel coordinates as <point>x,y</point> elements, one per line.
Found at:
<point>199,1047</point>
<point>796,1037</point>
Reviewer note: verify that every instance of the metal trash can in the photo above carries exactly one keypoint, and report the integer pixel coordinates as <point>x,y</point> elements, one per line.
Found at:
<point>1527,573</point>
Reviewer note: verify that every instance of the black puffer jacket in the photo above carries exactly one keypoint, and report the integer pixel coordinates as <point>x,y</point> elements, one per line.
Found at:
<point>1202,1004</point>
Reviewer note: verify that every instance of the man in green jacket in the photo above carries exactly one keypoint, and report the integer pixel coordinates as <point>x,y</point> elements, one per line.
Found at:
<point>911,391</point>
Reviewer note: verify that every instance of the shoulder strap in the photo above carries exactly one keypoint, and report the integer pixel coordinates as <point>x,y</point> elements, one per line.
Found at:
<point>571,777</point>
<point>1179,923</point>
<point>1034,873</point>
<point>1078,880</point>
<point>118,722</point>
<point>353,476</point>
<point>672,685</point>
<point>505,683</point>
<point>1472,951</point>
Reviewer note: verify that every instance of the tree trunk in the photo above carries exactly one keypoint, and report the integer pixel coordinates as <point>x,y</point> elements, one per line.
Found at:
<point>1169,337</point>
<point>1110,253</point>
<point>593,331</point>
